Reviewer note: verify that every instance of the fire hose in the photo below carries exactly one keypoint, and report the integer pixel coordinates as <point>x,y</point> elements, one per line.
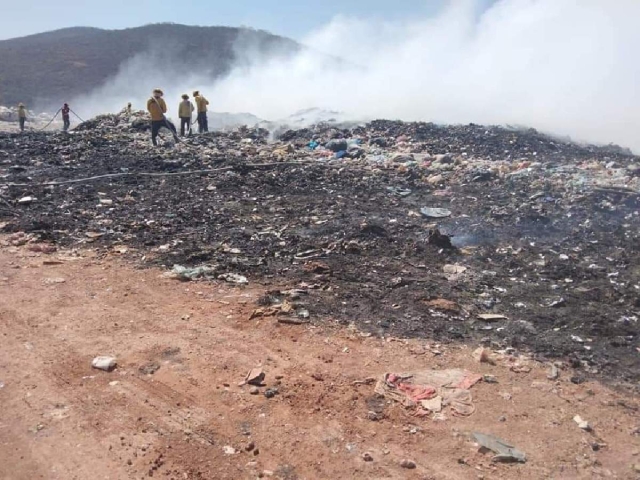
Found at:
<point>52,119</point>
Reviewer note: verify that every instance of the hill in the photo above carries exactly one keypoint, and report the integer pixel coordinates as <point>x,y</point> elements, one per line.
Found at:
<point>61,64</point>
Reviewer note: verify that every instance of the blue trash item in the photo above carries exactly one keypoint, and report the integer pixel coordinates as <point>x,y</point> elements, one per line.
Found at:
<point>313,145</point>
<point>341,154</point>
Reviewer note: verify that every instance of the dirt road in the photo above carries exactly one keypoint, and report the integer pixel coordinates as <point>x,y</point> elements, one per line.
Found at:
<point>173,407</point>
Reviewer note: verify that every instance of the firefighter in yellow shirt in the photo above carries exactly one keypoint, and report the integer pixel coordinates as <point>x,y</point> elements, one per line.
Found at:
<point>22,115</point>
<point>157,108</point>
<point>185,110</point>
<point>201,103</point>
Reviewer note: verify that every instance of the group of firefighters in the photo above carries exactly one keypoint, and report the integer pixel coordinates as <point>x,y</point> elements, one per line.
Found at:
<point>157,107</point>
<point>66,120</point>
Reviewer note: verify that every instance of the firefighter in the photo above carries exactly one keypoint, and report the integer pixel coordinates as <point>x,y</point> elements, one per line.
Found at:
<point>22,115</point>
<point>185,110</point>
<point>157,108</point>
<point>65,117</point>
<point>201,102</point>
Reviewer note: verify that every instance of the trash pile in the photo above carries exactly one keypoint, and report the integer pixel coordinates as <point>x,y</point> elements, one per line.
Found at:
<point>507,237</point>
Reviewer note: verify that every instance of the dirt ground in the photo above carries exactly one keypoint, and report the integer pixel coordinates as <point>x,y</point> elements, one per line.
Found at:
<point>61,419</point>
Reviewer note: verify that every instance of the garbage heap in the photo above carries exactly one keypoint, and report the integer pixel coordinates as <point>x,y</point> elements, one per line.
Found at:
<point>505,237</point>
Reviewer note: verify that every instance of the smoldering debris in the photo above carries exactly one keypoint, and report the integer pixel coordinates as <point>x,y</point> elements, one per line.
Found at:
<point>532,219</point>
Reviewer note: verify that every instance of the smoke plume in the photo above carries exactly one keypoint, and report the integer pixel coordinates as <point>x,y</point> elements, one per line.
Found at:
<point>563,66</point>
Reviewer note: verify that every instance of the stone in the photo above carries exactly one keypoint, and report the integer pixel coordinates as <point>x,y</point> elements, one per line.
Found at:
<point>254,390</point>
<point>104,363</point>
<point>271,392</point>
<point>366,456</point>
<point>255,377</point>
<point>408,464</point>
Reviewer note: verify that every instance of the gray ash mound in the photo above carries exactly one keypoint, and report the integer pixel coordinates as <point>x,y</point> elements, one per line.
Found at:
<point>542,231</point>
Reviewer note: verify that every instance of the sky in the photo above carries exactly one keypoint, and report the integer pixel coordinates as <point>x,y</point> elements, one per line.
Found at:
<point>292,18</point>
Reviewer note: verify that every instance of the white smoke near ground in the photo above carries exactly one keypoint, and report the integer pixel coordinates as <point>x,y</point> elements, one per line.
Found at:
<point>563,66</point>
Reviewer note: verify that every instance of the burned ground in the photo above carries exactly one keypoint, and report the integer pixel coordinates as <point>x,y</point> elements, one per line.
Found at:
<point>547,230</point>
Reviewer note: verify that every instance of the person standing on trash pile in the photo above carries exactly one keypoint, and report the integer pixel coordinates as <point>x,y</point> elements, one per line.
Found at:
<point>201,102</point>
<point>157,108</point>
<point>65,117</point>
<point>22,115</point>
<point>185,110</point>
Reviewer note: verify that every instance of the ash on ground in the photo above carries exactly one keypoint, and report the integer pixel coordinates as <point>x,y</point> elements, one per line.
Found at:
<point>403,229</point>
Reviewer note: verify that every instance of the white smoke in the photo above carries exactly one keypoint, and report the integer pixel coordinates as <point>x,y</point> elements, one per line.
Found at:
<point>563,66</point>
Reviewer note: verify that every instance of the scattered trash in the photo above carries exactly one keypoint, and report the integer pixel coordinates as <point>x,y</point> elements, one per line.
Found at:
<point>26,200</point>
<point>399,191</point>
<point>185,273</point>
<point>582,424</point>
<point>553,373</point>
<point>435,212</point>
<point>505,452</point>
<point>234,278</point>
<point>251,207</point>
<point>104,363</point>
<point>561,302</point>
<point>337,145</point>
<point>229,450</point>
<point>431,389</point>
<point>454,269</point>
<point>491,317</point>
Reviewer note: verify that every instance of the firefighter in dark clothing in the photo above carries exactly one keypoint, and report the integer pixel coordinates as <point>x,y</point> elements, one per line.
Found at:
<point>65,117</point>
